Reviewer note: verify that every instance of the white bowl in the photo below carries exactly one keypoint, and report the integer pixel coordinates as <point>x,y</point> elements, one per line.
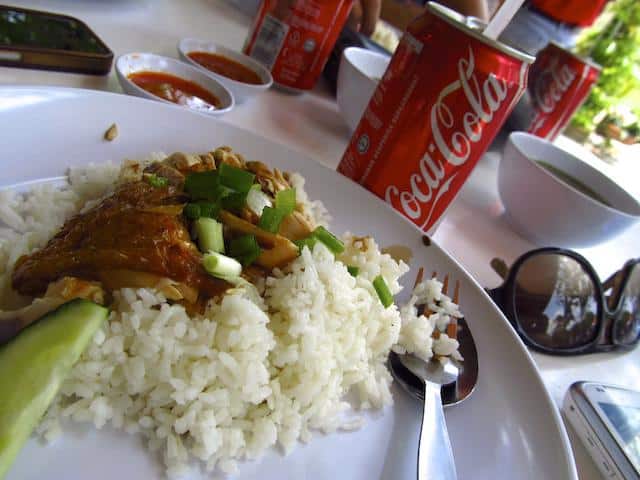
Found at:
<point>241,91</point>
<point>137,62</point>
<point>548,211</point>
<point>358,75</point>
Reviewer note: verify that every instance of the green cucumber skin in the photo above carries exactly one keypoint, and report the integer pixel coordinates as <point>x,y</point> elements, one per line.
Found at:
<point>33,366</point>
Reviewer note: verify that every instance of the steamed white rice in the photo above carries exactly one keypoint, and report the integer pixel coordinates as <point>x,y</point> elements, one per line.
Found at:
<point>265,367</point>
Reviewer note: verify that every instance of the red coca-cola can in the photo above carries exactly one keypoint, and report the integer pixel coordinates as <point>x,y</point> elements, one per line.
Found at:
<point>293,38</point>
<point>443,98</point>
<point>559,83</point>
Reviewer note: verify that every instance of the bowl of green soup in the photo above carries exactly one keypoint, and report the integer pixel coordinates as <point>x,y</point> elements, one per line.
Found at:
<point>554,198</point>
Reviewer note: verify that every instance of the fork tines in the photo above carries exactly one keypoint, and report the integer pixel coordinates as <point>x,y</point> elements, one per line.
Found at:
<point>452,328</point>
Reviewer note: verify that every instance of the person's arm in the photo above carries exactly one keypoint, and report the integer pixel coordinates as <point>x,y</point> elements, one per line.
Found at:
<point>475,8</point>
<point>365,15</point>
<point>399,13</point>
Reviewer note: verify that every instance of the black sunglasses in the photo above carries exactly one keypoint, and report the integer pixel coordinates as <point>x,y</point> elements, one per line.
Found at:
<point>557,304</point>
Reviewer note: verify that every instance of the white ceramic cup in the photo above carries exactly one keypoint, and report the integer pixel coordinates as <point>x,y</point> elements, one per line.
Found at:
<point>358,76</point>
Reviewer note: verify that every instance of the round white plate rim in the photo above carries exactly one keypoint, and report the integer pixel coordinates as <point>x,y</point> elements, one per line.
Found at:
<point>8,91</point>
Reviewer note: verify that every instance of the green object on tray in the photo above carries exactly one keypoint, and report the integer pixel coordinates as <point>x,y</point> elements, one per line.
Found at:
<point>33,366</point>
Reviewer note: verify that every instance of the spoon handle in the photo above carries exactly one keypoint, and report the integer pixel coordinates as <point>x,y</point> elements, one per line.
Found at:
<point>435,457</point>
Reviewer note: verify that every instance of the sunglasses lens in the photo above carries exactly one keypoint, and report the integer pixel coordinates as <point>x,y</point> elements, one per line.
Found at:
<point>626,329</point>
<point>555,302</point>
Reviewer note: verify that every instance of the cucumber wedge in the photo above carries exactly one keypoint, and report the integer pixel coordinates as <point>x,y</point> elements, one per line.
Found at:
<point>33,366</point>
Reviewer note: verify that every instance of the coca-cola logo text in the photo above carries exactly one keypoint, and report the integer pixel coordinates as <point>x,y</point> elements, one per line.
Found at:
<point>454,138</point>
<point>549,87</point>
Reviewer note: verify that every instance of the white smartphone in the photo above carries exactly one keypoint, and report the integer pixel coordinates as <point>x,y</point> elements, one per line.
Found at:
<point>607,420</point>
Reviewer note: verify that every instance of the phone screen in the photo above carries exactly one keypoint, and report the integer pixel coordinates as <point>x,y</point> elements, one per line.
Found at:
<point>41,30</point>
<point>626,421</point>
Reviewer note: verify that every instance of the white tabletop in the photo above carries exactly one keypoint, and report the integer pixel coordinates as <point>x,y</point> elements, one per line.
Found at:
<point>474,230</point>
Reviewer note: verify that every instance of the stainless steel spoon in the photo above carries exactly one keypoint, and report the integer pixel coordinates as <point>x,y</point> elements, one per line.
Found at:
<point>435,457</point>
<point>453,393</point>
<point>436,385</point>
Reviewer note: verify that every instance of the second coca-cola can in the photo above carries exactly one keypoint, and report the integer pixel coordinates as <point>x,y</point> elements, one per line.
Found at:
<point>442,100</point>
<point>559,82</point>
<point>293,38</point>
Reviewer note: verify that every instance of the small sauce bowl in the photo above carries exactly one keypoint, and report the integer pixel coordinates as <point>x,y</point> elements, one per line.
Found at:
<point>133,63</point>
<point>242,91</point>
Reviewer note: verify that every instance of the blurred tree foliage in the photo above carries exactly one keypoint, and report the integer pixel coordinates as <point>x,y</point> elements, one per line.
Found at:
<point>615,45</point>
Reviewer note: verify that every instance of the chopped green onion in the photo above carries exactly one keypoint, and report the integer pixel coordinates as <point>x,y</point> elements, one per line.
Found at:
<point>382,289</point>
<point>249,258</point>
<point>235,178</point>
<point>257,200</point>
<point>203,185</point>
<point>208,209</point>
<point>270,219</point>
<point>157,181</point>
<point>329,239</point>
<point>209,234</point>
<point>354,271</point>
<point>308,242</point>
<point>234,201</point>
<point>286,201</point>
<point>191,211</point>
<point>323,235</point>
<point>220,265</point>
<point>243,244</point>
<point>245,249</point>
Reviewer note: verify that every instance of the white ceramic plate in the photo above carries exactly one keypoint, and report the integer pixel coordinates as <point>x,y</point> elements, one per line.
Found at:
<point>508,429</point>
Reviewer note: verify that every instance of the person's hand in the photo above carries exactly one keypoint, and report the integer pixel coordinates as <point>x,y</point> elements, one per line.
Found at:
<point>365,15</point>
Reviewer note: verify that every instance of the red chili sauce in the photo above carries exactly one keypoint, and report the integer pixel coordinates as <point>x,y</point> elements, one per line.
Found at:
<point>176,90</point>
<point>226,67</point>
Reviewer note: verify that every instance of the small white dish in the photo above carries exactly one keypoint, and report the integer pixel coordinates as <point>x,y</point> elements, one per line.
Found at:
<point>548,211</point>
<point>241,91</point>
<point>358,76</point>
<point>139,62</point>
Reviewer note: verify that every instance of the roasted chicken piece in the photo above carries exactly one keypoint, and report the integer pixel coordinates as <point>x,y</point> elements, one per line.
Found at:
<point>138,237</point>
<point>138,230</point>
